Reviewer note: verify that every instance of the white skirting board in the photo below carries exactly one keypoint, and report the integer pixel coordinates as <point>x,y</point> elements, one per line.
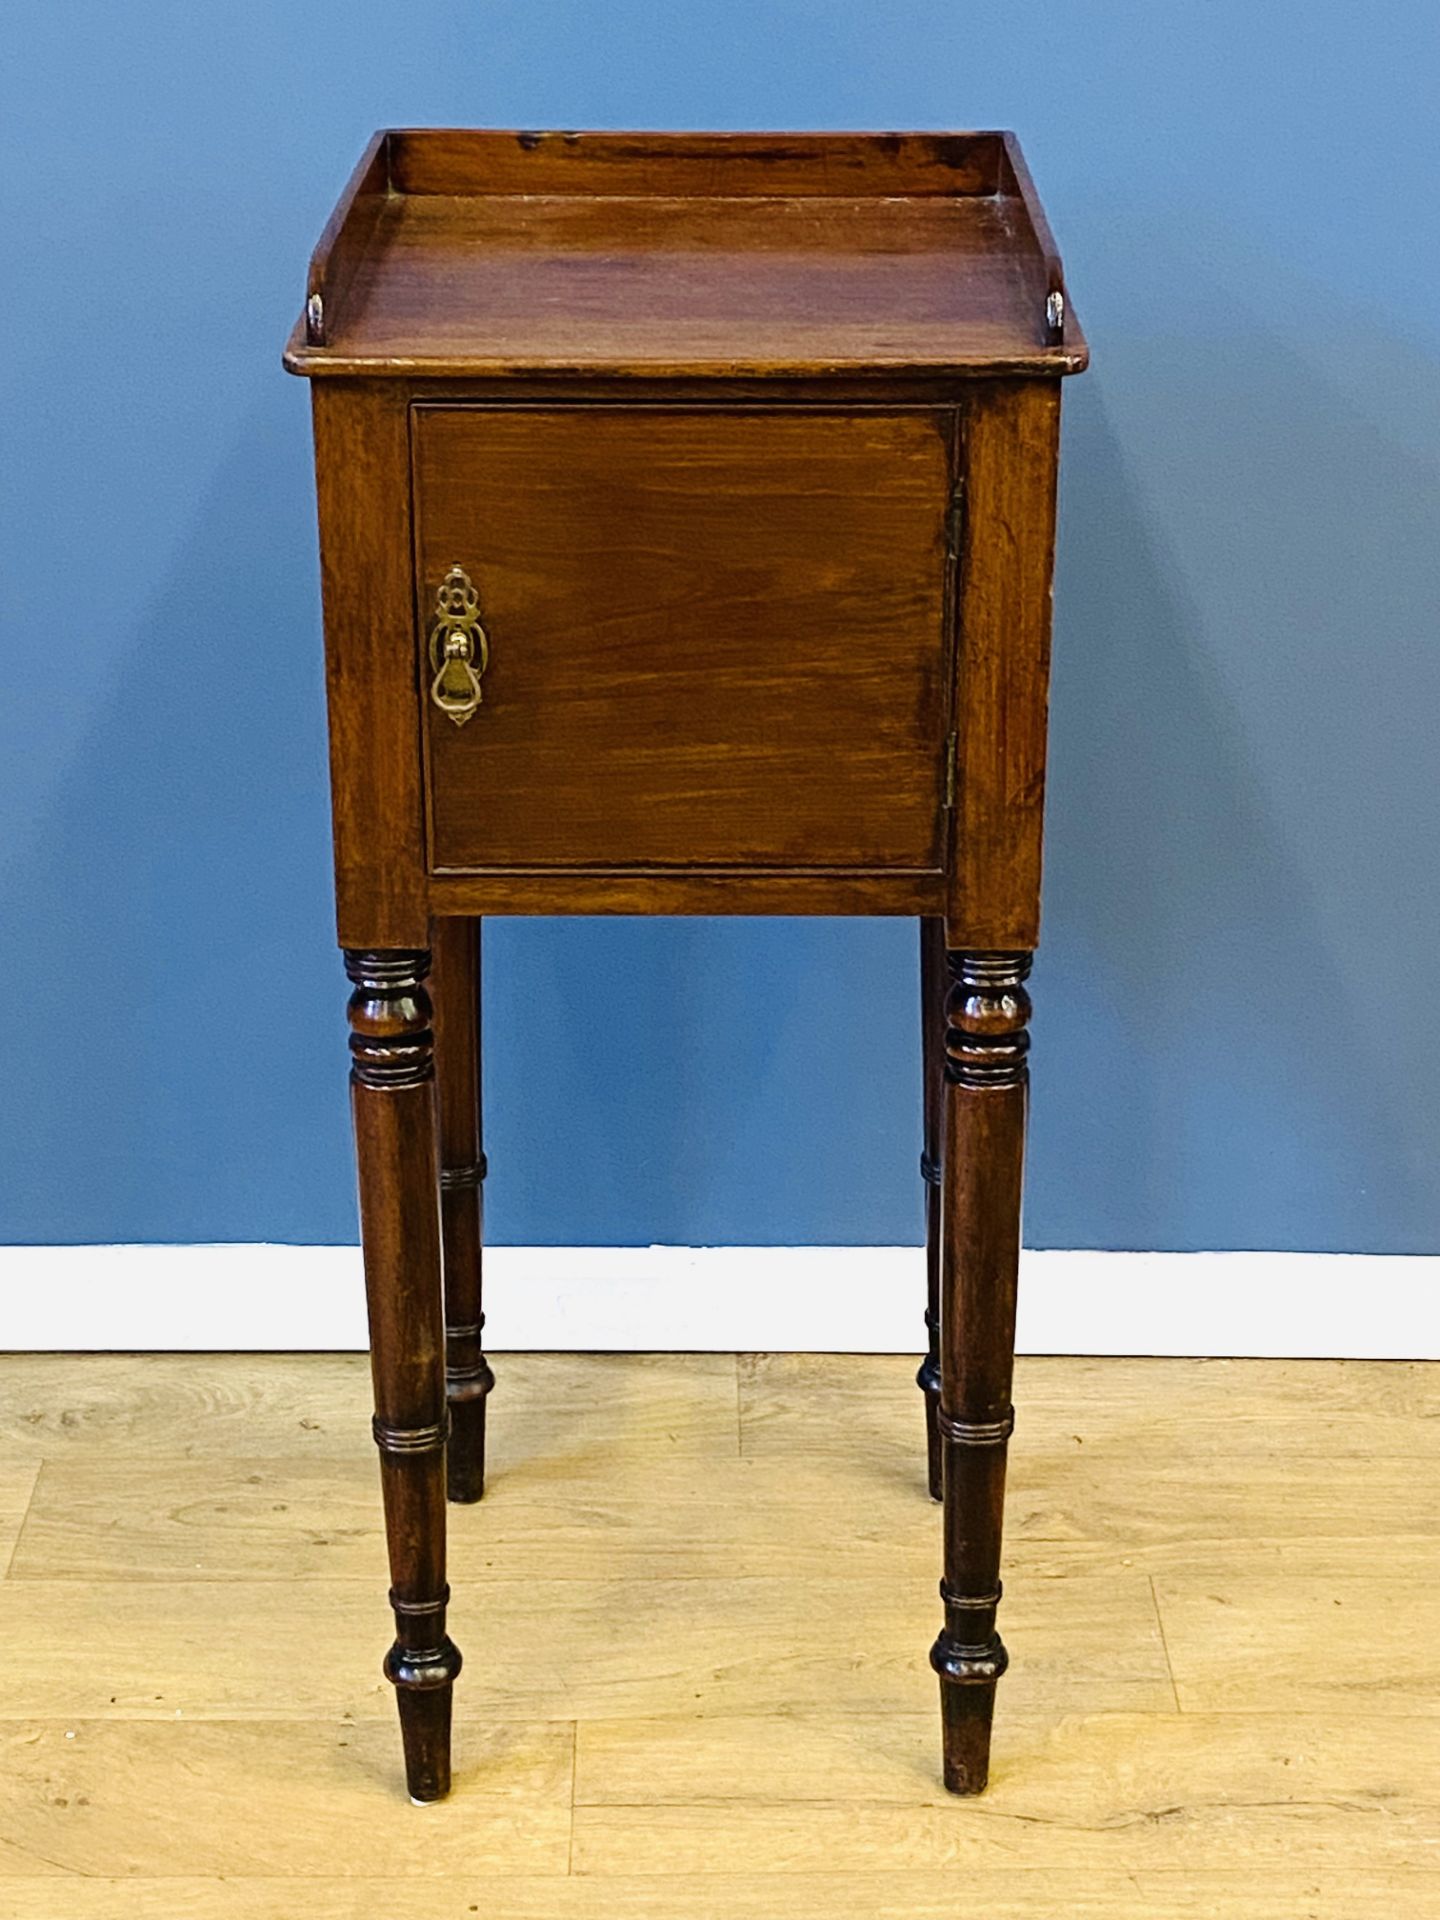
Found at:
<point>261,1298</point>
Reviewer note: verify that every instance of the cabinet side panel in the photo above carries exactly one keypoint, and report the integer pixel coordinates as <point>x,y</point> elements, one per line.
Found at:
<point>363,490</point>
<point>1002,684</point>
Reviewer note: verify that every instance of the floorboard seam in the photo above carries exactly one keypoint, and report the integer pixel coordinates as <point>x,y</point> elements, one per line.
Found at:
<point>24,1521</point>
<point>1164,1642</point>
<point>574,1770</point>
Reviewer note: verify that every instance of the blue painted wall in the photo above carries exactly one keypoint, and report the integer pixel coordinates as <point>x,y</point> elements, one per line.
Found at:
<point>1238,1042</point>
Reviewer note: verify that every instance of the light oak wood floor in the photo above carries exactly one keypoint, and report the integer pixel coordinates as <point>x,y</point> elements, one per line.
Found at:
<point>695,1608</point>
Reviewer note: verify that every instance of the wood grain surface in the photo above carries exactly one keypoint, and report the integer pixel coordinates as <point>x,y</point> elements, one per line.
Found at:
<point>680,254</point>
<point>714,638</point>
<point>694,1706</point>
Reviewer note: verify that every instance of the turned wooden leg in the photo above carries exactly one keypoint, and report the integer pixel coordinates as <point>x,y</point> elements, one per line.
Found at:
<point>468,1378</point>
<point>392,1095</point>
<point>986,1078</point>
<point>932,1059</point>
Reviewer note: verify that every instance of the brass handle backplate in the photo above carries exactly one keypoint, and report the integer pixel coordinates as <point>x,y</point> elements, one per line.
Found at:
<point>459,649</point>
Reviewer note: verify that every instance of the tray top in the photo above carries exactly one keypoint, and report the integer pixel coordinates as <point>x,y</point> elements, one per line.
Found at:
<point>482,253</point>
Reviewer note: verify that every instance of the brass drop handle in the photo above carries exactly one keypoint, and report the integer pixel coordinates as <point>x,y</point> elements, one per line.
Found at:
<point>459,649</point>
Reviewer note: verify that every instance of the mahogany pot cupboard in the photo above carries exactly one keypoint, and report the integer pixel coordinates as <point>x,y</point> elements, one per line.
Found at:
<point>686,519</point>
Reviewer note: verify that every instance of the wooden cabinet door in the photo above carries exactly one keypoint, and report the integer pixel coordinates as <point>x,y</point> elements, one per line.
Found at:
<point>712,637</point>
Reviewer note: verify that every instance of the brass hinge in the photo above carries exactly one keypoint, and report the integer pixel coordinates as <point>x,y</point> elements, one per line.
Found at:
<point>955,517</point>
<point>951,748</point>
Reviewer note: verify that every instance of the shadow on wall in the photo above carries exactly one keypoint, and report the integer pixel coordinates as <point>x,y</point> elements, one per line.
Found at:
<point>703,1082</point>
<point>1209,1071</point>
<point>177,905</point>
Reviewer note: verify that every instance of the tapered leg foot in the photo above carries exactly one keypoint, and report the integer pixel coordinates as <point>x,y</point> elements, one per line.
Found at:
<point>424,1690</point>
<point>468,1378</point>
<point>928,1381</point>
<point>967,1709</point>
<point>465,1457</point>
